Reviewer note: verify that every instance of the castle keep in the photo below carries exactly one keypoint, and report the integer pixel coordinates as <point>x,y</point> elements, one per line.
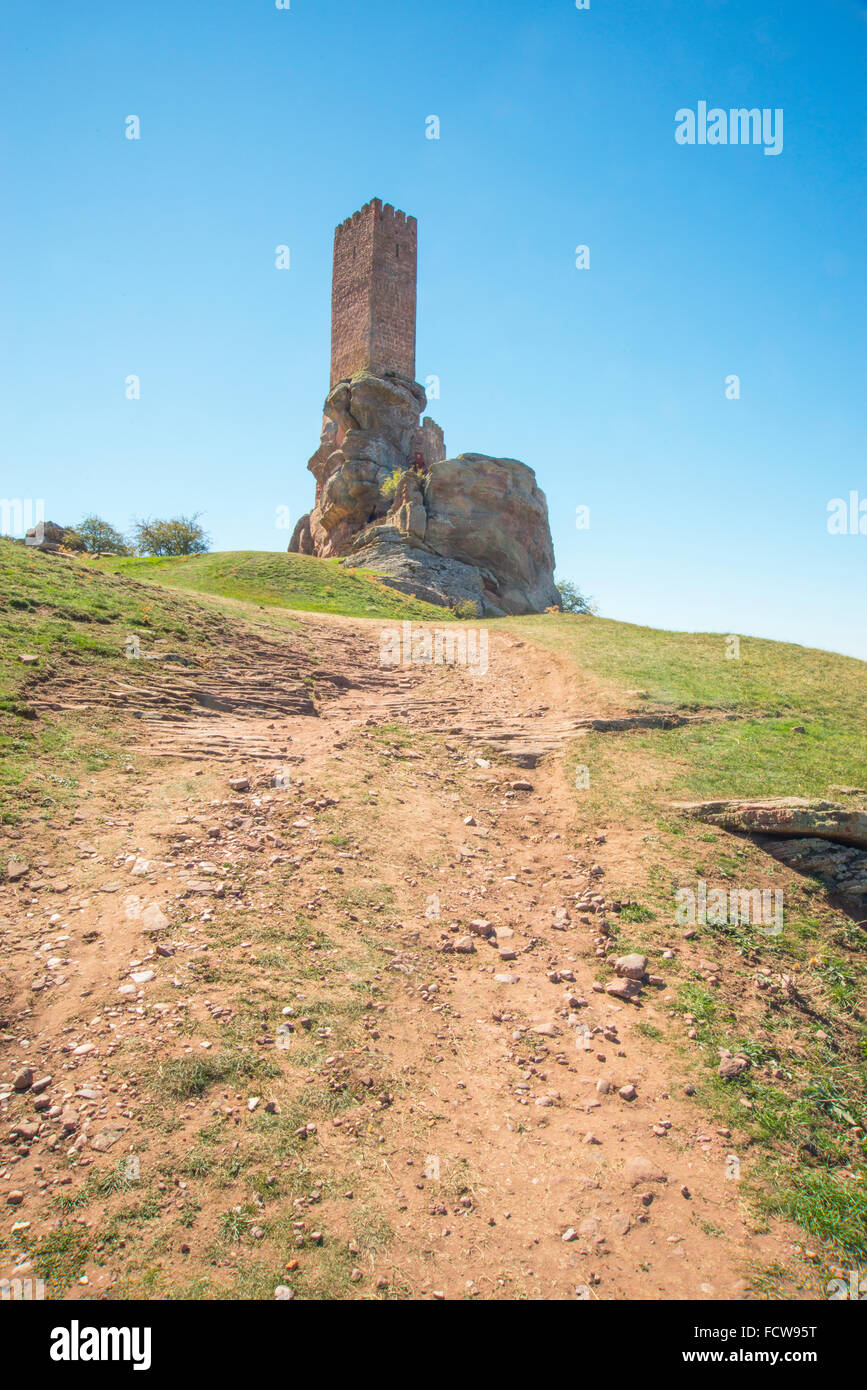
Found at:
<point>373,293</point>
<point>471,529</point>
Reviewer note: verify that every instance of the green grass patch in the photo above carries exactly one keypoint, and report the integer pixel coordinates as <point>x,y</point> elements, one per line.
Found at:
<point>831,1208</point>
<point>282,580</point>
<point>689,670</point>
<point>60,1256</point>
<point>183,1078</point>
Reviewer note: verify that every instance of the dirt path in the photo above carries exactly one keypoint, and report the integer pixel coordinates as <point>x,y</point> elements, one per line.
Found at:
<point>405,940</point>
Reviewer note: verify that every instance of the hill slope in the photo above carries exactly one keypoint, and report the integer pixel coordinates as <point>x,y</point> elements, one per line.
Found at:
<point>319,834</point>
<point>289,581</point>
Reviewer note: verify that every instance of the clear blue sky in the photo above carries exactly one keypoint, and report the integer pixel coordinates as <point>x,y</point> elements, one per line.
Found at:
<point>262,127</point>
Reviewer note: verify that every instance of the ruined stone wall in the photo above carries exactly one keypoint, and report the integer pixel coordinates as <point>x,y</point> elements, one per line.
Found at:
<point>373,293</point>
<point>429,441</point>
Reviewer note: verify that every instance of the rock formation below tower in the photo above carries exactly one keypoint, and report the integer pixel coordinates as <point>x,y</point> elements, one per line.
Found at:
<point>387,499</point>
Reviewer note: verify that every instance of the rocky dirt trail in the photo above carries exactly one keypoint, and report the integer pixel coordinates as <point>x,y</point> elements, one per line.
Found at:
<point>312,1001</point>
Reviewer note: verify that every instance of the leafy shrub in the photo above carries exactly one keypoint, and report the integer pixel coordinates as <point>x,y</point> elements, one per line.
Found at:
<point>390,486</point>
<point>467,608</point>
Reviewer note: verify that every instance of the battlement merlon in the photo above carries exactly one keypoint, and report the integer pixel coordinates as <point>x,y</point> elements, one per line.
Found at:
<point>375,210</point>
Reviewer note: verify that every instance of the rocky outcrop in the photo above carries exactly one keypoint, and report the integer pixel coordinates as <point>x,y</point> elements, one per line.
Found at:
<point>447,530</point>
<point>368,432</point>
<point>414,569</point>
<point>841,868</point>
<point>789,816</point>
<point>302,541</point>
<point>46,536</point>
<point>818,838</point>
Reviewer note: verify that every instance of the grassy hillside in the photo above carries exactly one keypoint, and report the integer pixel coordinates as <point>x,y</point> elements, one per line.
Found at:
<point>823,692</point>
<point>801,731</point>
<point>691,670</point>
<point>281,580</point>
<point>74,614</point>
<point>75,611</point>
<point>799,687</point>
<point>74,620</point>
<point>58,609</point>
<point>803,1104</point>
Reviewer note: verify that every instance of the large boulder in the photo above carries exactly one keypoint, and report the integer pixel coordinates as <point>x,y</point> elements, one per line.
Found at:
<point>488,512</point>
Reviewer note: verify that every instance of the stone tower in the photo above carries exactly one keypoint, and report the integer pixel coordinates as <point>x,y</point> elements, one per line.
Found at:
<point>468,529</point>
<point>373,294</point>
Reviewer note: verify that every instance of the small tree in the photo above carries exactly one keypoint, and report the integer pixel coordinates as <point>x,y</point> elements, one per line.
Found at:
<point>179,535</point>
<point>571,598</point>
<point>98,535</point>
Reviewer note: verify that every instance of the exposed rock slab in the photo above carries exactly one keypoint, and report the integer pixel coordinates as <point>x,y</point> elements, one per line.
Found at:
<point>842,868</point>
<point>413,569</point>
<point>787,816</point>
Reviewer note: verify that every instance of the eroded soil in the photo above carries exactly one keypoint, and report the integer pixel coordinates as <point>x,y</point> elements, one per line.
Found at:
<point>357,1051</point>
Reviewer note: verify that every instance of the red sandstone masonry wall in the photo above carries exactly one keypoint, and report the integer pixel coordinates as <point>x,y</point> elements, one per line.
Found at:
<point>373,293</point>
